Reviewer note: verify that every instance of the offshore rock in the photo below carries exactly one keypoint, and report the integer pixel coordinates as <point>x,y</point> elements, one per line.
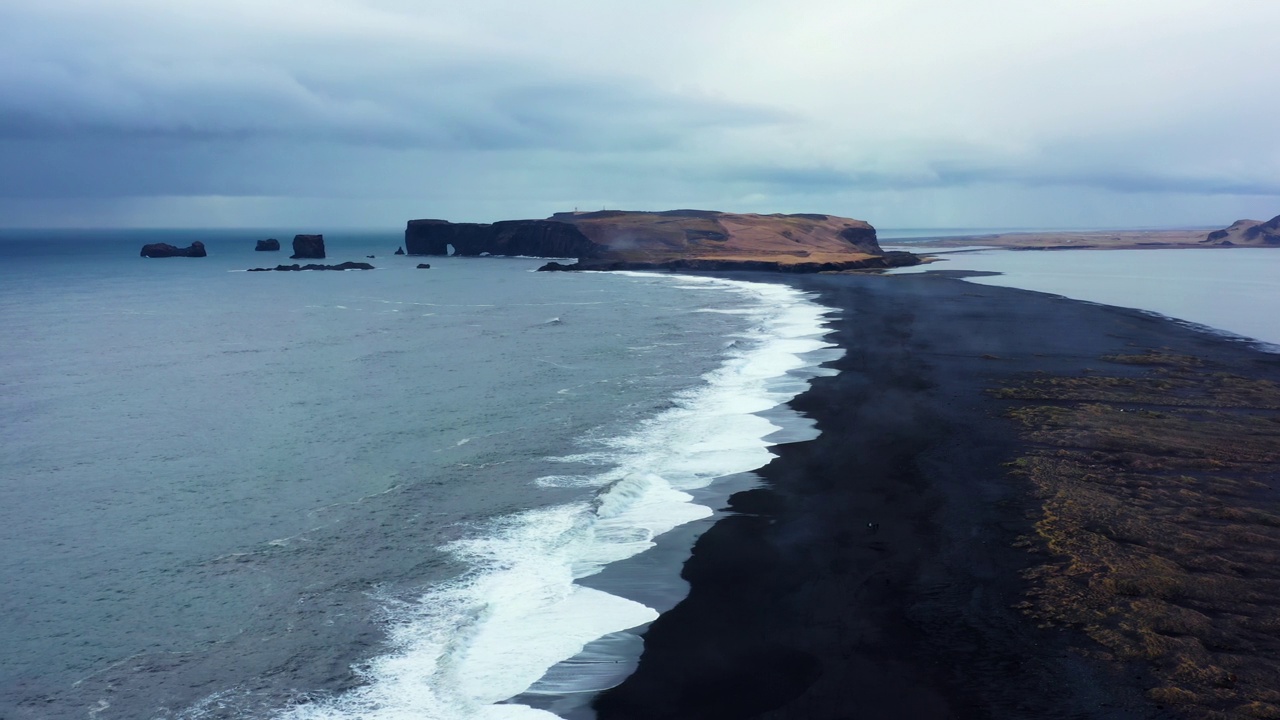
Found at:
<point>424,266</point>
<point>399,251</point>
<point>296,267</point>
<point>536,238</point>
<point>162,250</point>
<point>270,244</point>
<point>560,267</point>
<point>308,247</point>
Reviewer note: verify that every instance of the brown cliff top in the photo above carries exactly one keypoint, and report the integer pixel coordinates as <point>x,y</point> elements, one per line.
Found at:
<point>711,235</point>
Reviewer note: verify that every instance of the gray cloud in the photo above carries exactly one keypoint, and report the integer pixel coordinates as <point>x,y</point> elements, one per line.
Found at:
<point>470,109</point>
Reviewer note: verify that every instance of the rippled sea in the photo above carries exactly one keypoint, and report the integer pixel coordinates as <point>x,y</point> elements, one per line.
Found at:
<point>357,494</point>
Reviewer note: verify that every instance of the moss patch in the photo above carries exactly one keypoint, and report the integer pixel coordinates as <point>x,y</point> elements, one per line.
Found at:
<point>1160,526</point>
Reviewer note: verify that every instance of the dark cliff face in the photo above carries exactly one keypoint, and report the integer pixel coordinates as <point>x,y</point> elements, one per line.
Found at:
<point>308,247</point>
<point>862,238</point>
<point>537,238</point>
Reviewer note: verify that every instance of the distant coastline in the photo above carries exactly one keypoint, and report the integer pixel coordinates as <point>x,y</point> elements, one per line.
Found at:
<point>1242,233</point>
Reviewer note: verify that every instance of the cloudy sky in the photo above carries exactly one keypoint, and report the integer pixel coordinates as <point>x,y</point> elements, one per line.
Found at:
<point>365,113</point>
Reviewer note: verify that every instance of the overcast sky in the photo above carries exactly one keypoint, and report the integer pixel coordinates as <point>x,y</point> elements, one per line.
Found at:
<point>910,113</point>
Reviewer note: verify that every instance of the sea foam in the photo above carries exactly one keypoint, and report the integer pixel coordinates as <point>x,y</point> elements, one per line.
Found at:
<point>465,647</point>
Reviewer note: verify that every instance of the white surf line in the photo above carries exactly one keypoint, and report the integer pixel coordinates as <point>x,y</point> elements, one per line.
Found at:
<point>465,647</point>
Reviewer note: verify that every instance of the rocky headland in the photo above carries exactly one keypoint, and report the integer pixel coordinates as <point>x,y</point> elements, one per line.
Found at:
<point>163,250</point>
<point>670,240</point>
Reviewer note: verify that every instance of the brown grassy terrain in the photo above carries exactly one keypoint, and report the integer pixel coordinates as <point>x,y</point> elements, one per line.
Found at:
<point>709,235</point>
<point>1160,528</point>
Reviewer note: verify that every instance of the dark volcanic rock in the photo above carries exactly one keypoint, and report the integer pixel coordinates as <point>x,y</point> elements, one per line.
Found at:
<point>269,244</point>
<point>296,267</point>
<point>161,250</point>
<point>859,236</point>
<point>538,238</point>
<point>399,251</point>
<point>424,266</point>
<point>560,267</point>
<point>308,247</point>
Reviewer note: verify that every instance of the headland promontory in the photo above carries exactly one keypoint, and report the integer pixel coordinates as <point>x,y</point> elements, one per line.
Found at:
<point>669,240</point>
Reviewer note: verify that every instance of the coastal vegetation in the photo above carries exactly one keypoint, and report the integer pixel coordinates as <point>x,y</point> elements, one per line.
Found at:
<point>1159,530</point>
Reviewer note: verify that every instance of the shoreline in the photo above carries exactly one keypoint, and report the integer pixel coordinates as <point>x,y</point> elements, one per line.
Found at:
<point>1189,238</point>
<point>880,570</point>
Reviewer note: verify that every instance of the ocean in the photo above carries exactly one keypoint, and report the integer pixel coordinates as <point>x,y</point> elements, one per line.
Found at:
<point>460,492</point>
<point>449,493</point>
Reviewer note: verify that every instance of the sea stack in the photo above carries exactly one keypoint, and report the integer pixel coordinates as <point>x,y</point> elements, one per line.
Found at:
<point>162,250</point>
<point>268,245</point>
<point>307,247</point>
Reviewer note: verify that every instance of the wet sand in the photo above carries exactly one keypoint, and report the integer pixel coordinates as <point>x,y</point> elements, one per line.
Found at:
<point>880,573</point>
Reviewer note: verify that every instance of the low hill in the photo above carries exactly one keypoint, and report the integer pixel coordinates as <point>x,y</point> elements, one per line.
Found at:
<point>1254,233</point>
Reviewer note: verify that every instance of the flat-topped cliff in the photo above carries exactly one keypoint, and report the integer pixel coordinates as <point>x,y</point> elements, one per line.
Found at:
<point>701,239</point>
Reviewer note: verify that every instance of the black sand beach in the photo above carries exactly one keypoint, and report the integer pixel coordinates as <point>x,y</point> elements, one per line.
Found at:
<point>880,573</point>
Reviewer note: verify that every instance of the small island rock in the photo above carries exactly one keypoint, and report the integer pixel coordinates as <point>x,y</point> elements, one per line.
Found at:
<point>399,251</point>
<point>424,266</point>
<point>308,247</point>
<point>161,250</point>
<point>268,245</point>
